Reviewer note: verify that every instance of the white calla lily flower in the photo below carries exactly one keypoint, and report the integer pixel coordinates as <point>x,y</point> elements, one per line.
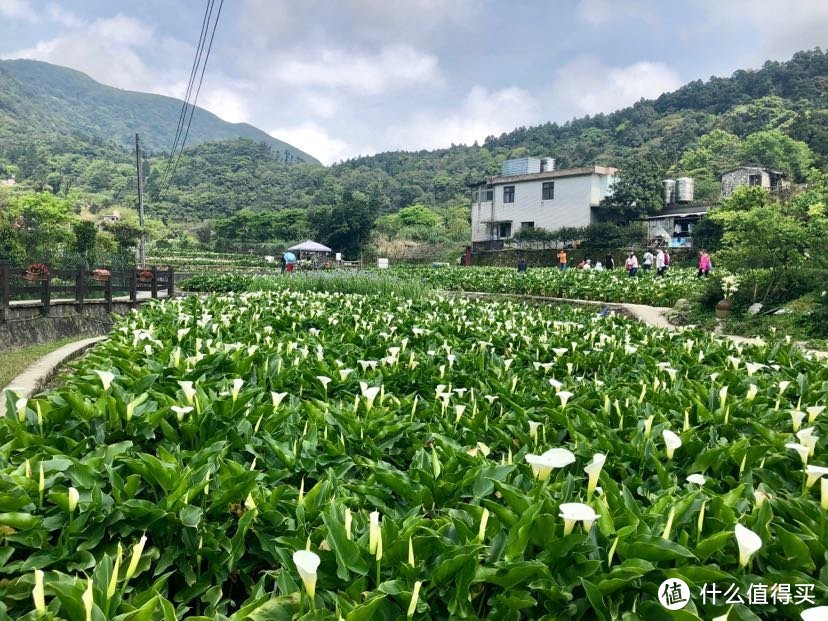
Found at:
<point>593,470</point>
<point>749,544</point>
<point>106,378</point>
<point>797,416</point>
<point>671,442</point>
<point>564,396</point>
<point>373,532</point>
<point>181,412</point>
<point>542,465</point>
<point>74,497</point>
<point>818,613</point>
<point>573,512</point>
<point>88,599</point>
<point>415,597</point>
<point>814,473</point>
<point>698,479</point>
<point>307,563</point>
<point>801,449</point>
<point>813,412</point>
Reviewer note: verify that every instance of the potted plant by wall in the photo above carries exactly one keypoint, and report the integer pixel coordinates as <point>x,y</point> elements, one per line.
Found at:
<point>144,275</point>
<point>101,274</point>
<point>36,272</point>
<point>730,285</point>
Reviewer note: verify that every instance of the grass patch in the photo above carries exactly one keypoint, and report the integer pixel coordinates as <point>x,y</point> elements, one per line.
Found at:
<point>17,360</point>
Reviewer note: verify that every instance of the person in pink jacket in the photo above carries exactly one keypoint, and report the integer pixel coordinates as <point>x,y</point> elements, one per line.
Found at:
<point>705,264</point>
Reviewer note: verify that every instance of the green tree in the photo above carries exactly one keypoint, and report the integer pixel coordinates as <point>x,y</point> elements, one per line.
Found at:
<point>635,194</point>
<point>774,149</point>
<point>85,240</point>
<point>346,226</point>
<point>126,235</point>
<point>44,222</point>
<point>418,215</point>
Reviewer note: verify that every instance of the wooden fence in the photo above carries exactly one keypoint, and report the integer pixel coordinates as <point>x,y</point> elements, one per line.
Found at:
<point>79,286</point>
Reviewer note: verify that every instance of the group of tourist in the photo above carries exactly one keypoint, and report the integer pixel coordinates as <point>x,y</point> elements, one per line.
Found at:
<point>660,260</point>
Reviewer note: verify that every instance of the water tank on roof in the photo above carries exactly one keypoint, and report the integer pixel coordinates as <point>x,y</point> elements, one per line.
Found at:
<point>684,190</point>
<point>521,166</point>
<point>669,191</point>
<point>547,164</point>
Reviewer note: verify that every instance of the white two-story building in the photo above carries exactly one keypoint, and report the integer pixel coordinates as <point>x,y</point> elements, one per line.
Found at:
<point>540,197</point>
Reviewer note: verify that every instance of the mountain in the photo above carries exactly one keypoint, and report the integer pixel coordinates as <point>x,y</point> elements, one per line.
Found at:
<point>38,97</point>
<point>775,116</point>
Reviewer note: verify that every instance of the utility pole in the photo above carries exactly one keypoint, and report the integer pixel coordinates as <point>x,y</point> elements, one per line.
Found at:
<point>141,248</point>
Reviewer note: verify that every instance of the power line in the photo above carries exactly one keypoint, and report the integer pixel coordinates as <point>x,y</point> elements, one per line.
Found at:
<point>208,10</point>
<point>182,116</point>
<point>195,99</point>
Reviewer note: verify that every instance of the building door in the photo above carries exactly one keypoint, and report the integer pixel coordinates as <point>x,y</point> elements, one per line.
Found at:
<point>504,230</point>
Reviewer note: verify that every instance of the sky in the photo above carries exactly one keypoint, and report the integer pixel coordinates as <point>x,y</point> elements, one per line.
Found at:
<point>343,78</point>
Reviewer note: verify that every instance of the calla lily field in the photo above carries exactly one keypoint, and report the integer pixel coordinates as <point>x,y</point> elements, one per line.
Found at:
<point>325,455</point>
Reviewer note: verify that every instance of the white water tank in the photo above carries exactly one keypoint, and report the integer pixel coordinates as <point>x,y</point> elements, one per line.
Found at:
<point>547,164</point>
<point>669,191</point>
<point>684,190</point>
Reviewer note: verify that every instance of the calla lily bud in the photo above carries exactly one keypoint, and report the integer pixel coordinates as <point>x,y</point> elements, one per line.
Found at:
<point>415,597</point>
<point>648,426</point>
<point>237,386</point>
<point>484,519</point>
<point>39,594</point>
<point>88,599</point>
<point>373,532</point>
<point>824,490</point>
<point>669,526</point>
<point>74,497</point>
<point>137,550</point>
<point>307,563</point>
<point>21,405</point>
<point>113,581</point>
<point>378,554</point>
<point>348,523</point>
<point>749,544</point>
<point>249,503</point>
<point>410,552</point>
<point>188,390</point>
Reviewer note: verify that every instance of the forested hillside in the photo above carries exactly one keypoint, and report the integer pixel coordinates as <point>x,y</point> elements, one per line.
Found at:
<point>38,98</point>
<point>776,116</point>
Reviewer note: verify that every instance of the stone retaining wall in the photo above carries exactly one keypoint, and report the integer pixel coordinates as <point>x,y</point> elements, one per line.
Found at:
<point>27,326</point>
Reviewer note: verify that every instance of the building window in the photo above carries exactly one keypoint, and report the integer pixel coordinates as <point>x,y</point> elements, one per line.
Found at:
<point>754,180</point>
<point>504,229</point>
<point>508,194</point>
<point>548,191</point>
<point>527,226</point>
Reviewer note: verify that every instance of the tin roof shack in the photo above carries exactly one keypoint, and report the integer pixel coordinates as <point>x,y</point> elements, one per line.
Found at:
<point>673,226</point>
<point>750,176</point>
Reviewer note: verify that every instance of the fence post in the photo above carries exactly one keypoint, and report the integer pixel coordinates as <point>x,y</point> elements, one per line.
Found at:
<point>133,286</point>
<point>170,282</point>
<point>154,284</point>
<point>80,287</point>
<point>5,290</point>
<point>108,292</point>
<point>46,294</point>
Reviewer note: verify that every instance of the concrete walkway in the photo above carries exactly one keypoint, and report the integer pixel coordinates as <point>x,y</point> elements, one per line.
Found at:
<point>34,378</point>
<point>655,316</point>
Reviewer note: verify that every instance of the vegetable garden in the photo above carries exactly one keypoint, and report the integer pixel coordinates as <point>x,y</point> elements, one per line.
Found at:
<point>291,454</point>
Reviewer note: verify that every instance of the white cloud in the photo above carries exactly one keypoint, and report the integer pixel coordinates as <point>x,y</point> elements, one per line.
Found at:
<point>119,51</point>
<point>483,113</point>
<point>277,24</point>
<point>600,13</point>
<point>588,86</point>
<point>62,16</point>
<point>781,29</point>
<point>18,9</point>
<point>313,139</point>
<point>393,66</point>
<point>226,103</point>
